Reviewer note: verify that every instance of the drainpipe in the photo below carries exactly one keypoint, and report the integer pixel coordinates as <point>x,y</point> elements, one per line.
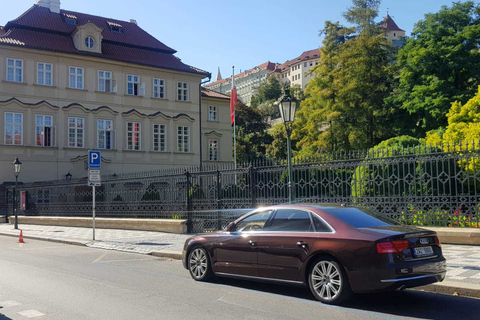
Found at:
<point>208,78</point>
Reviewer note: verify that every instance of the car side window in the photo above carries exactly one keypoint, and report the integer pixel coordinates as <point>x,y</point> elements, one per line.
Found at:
<point>320,226</point>
<point>291,220</point>
<point>254,222</point>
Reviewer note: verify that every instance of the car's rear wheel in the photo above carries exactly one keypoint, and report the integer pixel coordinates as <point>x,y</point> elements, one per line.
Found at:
<point>328,281</point>
<point>199,264</point>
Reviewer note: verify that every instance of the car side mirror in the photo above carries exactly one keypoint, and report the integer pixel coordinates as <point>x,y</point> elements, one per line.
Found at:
<point>231,226</point>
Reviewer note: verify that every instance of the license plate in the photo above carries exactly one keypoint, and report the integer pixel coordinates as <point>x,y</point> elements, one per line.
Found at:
<point>423,251</point>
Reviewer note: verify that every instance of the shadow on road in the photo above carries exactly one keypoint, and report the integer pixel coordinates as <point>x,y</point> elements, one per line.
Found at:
<point>4,317</point>
<point>410,303</point>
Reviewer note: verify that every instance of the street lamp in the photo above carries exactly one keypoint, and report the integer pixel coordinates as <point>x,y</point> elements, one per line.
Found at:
<point>68,176</point>
<point>288,106</point>
<point>17,165</point>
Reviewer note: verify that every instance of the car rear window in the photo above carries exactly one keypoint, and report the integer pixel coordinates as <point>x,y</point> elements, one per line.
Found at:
<point>360,218</point>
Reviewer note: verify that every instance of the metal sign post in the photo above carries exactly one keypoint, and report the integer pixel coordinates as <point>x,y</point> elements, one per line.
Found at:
<point>94,179</point>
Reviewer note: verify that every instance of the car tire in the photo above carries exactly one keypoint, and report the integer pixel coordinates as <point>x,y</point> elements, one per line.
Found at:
<point>199,264</point>
<point>328,281</point>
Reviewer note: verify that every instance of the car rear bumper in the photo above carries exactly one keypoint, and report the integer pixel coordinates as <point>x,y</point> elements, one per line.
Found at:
<point>397,276</point>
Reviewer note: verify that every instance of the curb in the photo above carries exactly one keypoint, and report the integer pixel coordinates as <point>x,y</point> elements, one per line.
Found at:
<point>75,243</point>
<point>453,288</point>
<point>167,254</point>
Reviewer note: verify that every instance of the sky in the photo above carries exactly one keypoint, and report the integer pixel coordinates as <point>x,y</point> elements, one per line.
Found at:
<point>211,34</point>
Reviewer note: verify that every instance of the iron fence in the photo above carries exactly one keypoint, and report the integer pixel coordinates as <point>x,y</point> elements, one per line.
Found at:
<point>422,185</point>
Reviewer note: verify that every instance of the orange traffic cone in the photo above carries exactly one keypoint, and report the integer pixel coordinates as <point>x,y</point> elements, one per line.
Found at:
<point>20,240</point>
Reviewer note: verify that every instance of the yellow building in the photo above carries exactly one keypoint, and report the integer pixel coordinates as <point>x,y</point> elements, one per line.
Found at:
<point>70,82</point>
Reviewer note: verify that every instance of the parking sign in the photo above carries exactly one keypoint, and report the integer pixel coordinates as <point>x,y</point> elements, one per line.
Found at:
<point>94,159</point>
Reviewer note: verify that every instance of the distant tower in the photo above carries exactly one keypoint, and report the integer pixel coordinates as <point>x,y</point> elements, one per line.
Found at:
<point>392,31</point>
<point>219,75</point>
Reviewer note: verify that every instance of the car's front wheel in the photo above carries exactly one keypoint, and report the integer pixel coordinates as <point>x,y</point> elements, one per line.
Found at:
<point>328,281</point>
<point>199,264</point>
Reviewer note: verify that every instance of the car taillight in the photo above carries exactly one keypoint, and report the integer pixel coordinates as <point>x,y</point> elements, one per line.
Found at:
<point>392,246</point>
<point>437,241</point>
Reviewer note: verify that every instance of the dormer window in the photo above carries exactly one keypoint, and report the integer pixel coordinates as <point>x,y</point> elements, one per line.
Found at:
<point>71,21</point>
<point>89,42</point>
<point>115,27</point>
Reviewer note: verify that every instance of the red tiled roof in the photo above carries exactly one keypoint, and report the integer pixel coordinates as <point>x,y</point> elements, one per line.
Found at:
<point>213,94</point>
<point>267,65</point>
<point>60,43</point>
<point>389,25</point>
<point>305,56</point>
<point>38,28</point>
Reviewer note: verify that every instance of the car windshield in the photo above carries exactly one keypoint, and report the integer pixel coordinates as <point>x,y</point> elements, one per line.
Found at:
<point>360,218</point>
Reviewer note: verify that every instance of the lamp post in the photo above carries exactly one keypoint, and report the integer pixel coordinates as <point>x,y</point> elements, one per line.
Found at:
<point>288,106</point>
<point>68,176</point>
<point>17,165</point>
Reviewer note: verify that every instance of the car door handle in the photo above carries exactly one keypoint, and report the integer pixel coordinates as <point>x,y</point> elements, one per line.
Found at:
<point>252,242</point>
<point>302,244</point>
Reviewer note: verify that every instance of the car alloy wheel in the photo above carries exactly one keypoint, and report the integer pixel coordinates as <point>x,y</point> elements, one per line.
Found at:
<point>327,281</point>
<point>198,264</point>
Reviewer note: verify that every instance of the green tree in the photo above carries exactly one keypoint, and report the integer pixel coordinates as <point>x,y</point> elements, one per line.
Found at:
<point>267,94</point>
<point>345,106</point>
<point>277,149</point>
<point>439,64</point>
<point>252,133</point>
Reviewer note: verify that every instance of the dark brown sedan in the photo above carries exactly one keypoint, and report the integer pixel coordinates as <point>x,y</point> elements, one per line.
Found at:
<point>334,250</point>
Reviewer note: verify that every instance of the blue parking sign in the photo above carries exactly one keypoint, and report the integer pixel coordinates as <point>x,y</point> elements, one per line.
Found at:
<point>94,159</point>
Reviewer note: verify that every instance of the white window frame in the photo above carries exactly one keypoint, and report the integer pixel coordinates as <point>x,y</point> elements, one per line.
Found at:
<point>133,133</point>
<point>213,149</point>
<point>13,124</point>
<point>42,126</point>
<point>90,42</point>
<point>76,75</point>
<point>212,113</point>
<point>183,93</point>
<point>103,132</point>
<point>102,78</point>
<point>75,142</point>
<point>183,139</point>
<point>134,81</point>
<point>158,135</point>
<point>159,88</point>
<point>14,68</point>
<point>44,73</point>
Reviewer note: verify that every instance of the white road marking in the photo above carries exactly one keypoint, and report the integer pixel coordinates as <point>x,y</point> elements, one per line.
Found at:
<point>101,257</point>
<point>31,313</point>
<point>10,303</point>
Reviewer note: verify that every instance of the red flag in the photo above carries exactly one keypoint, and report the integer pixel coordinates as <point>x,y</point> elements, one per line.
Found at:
<point>233,100</point>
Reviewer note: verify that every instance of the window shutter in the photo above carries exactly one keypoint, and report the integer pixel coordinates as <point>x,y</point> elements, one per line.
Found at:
<point>141,89</point>
<point>114,86</point>
<point>53,137</point>
<point>112,143</point>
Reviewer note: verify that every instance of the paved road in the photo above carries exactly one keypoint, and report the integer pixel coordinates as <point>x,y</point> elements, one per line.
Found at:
<point>42,280</point>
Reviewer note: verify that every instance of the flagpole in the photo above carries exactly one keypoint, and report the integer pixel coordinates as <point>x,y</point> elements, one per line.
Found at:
<point>234,129</point>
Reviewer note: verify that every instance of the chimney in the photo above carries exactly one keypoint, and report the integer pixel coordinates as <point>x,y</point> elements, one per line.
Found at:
<point>133,21</point>
<point>53,5</point>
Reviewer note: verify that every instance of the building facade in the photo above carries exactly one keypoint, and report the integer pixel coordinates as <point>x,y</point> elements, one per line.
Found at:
<point>392,31</point>
<point>298,71</point>
<point>246,82</point>
<point>71,82</point>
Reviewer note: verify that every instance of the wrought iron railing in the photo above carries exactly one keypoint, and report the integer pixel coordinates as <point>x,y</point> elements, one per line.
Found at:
<point>422,185</point>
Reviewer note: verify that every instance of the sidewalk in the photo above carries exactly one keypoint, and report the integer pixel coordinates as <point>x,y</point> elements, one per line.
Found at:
<point>463,261</point>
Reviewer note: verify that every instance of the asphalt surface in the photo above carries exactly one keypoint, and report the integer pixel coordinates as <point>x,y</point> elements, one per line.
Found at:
<point>44,280</point>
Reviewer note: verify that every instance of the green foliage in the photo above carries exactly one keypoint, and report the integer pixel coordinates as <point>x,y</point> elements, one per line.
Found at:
<point>118,198</point>
<point>364,180</point>
<point>439,64</point>
<point>345,105</point>
<point>277,149</point>
<point>269,90</point>
<point>252,133</point>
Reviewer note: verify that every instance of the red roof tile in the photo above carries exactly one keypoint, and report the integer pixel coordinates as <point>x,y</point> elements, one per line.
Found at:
<point>213,94</point>
<point>267,65</point>
<point>390,25</point>
<point>39,28</point>
<point>60,43</point>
